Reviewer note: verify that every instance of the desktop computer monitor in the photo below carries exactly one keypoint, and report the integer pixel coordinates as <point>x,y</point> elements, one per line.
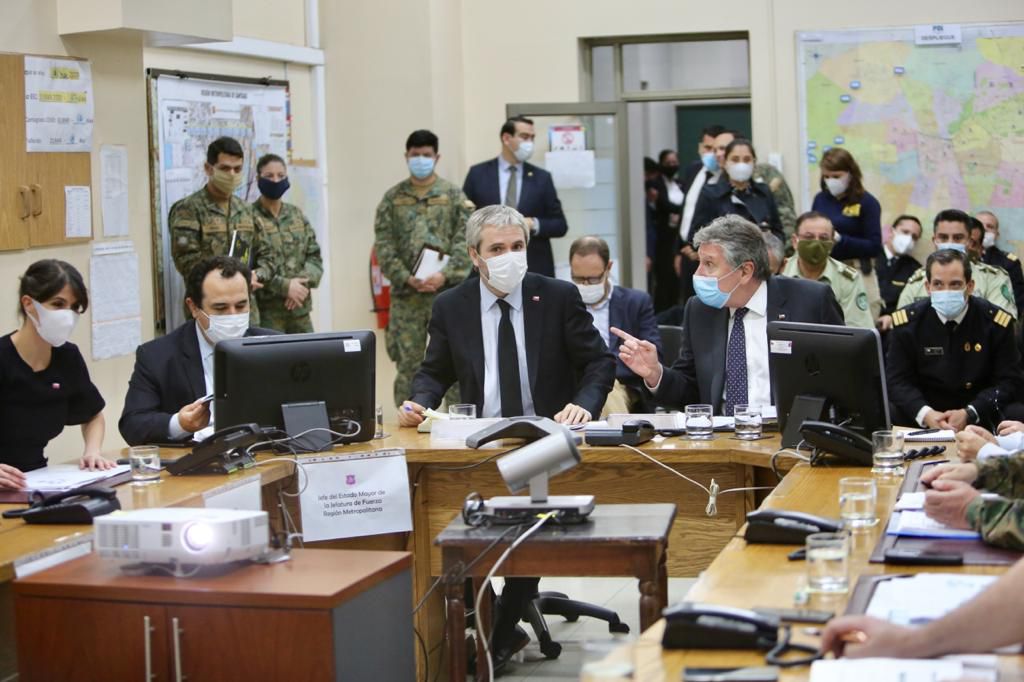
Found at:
<point>825,372</point>
<point>253,377</point>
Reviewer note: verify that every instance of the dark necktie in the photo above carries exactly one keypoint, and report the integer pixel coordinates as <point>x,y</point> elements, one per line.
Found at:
<point>736,365</point>
<point>508,365</point>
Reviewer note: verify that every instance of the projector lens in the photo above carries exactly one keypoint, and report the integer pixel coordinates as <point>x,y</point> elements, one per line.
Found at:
<point>197,536</point>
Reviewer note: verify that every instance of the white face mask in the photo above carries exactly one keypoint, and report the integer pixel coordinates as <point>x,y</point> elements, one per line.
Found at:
<point>506,271</point>
<point>836,186</point>
<point>902,243</point>
<point>224,327</point>
<point>54,326</point>
<point>524,151</point>
<point>740,172</point>
<point>989,240</point>
<point>592,293</point>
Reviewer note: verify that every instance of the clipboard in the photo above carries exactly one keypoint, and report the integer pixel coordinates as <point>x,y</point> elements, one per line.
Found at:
<point>864,590</point>
<point>974,552</point>
<point>430,260</point>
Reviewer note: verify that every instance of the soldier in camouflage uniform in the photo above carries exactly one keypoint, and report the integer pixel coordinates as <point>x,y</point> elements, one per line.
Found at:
<point>952,231</point>
<point>204,223</point>
<point>423,210</point>
<point>288,262</point>
<point>813,242</point>
<point>956,499</point>
<point>768,174</point>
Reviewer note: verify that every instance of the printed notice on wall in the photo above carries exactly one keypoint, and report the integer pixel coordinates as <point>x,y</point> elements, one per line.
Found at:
<point>114,189</point>
<point>77,212</point>
<point>348,496</point>
<point>114,299</point>
<point>58,105</point>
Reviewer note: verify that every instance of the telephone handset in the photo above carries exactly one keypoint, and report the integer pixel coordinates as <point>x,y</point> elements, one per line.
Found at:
<point>692,625</point>
<point>221,452</point>
<point>80,505</point>
<point>847,445</point>
<point>781,527</point>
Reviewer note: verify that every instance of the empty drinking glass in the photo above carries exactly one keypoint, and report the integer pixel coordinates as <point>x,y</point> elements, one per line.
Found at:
<point>699,423</point>
<point>462,411</point>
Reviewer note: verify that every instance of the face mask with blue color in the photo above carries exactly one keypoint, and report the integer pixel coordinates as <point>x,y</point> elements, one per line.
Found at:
<point>948,303</point>
<point>706,288</point>
<point>710,161</point>
<point>952,246</point>
<point>421,167</point>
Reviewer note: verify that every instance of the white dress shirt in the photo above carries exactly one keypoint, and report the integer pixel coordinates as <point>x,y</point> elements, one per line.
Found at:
<point>755,333</point>
<point>1003,447</point>
<point>490,318</point>
<point>600,314</point>
<point>690,204</point>
<point>206,352</point>
<point>958,319</point>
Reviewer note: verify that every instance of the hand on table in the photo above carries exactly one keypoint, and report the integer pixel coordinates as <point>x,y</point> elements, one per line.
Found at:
<point>94,461</point>
<point>410,414</point>
<point>573,414</point>
<point>864,637</point>
<point>947,502</point>
<point>970,440</point>
<point>968,473</point>
<point>11,478</point>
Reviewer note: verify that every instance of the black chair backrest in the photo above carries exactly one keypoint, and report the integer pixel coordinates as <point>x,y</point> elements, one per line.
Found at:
<point>671,342</point>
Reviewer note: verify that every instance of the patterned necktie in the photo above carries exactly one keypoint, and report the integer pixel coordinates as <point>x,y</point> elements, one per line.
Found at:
<point>736,365</point>
<point>508,365</point>
<point>511,196</point>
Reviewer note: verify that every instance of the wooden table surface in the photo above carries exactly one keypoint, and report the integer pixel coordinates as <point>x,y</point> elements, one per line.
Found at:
<point>750,576</point>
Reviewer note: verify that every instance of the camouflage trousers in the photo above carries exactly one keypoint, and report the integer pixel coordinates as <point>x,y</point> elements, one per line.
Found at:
<point>283,320</point>
<point>406,342</point>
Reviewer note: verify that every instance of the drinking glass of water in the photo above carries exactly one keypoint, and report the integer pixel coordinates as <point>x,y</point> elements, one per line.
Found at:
<point>828,562</point>
<point>748,421</point>
<point>699,424</point>
<point>887,453</point>
<point>857,497</point>
<point>145,463</point>
<point>462,411</point>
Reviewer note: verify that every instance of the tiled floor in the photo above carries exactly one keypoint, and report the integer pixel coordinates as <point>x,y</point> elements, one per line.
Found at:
<point>586,639</point>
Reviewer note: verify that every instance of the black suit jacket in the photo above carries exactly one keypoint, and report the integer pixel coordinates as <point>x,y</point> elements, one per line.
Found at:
<point>892,277</point>
<point>566,360</point>
<point>631,311</point>
<point>758,206</point>
<point>698,376</point>
<point>168,375</point>
<point>537,199</point>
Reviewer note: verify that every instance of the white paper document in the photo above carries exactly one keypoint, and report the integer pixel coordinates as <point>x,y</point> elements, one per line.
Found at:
<point>571,169</point>
<point>58,105</point>
<point>896,670</point>
<point>918,524</point>
<point>911,501</point>
<point>77,212</point>
<point>924,597</point>
<point>430,262</point>
<point>345,496</point>
<point>116,305</point>
<point>67,476</point>
<point>942,436</point>
<point>114,189</point>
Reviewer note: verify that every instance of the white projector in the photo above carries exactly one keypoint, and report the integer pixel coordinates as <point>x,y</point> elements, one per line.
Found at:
<point>182,535</point>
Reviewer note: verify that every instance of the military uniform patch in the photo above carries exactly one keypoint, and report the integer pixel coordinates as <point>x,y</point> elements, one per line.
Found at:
<point>862,301</point>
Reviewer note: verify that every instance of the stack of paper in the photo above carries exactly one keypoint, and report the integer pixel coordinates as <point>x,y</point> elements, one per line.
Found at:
<point>939,435</point>
<point>924,597</point>
<point>917,524</point>
<point>57,477</point>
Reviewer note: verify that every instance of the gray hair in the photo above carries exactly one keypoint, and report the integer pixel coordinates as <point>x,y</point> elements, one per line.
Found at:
<point>774,246</point>
<point>740,241</point>
<point>497,215</point>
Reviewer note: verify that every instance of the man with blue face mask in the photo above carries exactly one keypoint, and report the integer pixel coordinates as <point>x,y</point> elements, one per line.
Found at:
<point>952,231</point>
<point>421,217</point>
<point>724,357</point>
<point>952,358</point>
<point>174,372</point>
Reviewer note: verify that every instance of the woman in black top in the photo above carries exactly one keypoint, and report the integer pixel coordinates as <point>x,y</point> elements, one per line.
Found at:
<point>44,383</point>
<point>738,194</point>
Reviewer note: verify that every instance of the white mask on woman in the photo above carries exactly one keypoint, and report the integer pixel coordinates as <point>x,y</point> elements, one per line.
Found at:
<point>740,172</point>
<point>837,186</point>
<point>54,326</point>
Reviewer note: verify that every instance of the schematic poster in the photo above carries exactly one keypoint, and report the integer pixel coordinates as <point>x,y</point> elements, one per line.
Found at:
<point>58,105</point>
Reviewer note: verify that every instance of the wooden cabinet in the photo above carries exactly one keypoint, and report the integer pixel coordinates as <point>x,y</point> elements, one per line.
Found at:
<point>325,615</point>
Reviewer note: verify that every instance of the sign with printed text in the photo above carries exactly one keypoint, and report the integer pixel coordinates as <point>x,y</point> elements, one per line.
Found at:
<point>567,138</point>
<point>353,495</point>
<point>938,34</point>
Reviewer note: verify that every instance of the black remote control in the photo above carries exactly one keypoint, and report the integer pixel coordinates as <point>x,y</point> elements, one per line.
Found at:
<point>915,557</point>
<point>797,615</point>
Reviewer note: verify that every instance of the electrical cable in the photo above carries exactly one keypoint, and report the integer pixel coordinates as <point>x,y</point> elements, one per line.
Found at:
<point>794,453</point>
<point>713,491</point>
<point>487,582</point>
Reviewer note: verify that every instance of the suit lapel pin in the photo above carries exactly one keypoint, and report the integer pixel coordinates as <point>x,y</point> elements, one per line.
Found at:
<point>535,299</point>
<point>55,386</point>
<point>529,174</point>
<point>782,316</point>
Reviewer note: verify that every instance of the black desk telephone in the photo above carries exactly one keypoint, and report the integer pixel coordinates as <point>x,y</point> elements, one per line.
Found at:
<point>71,506</point>
<point>221,452</point>
<point>780,527</point>
<point>690,625</point>
<point>849,446</point>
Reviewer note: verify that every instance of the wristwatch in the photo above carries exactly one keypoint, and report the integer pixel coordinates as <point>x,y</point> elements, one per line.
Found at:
<point>972,415</point>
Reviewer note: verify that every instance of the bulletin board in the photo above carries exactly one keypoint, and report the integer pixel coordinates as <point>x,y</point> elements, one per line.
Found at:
<point>188,111</point>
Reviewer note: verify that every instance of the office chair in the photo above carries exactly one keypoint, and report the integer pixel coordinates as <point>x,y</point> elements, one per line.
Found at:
<point>671,342</point>
<point>559,604</point>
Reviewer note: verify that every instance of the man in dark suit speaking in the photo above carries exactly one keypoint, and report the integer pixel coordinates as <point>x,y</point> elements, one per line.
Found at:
<point>173,372</point>
<point>518,344</point>
<point>724,356</point>
<point>510,180</point>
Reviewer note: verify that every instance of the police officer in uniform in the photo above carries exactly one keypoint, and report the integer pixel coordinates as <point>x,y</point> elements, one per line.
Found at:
<point>895,265</point>
<point>289,264</point>
<point>952,358</point>
<point>952,231</point>
<point>993,255</point>
<point>813,243</point>
<point>424,210</point>
<point>213,221</point>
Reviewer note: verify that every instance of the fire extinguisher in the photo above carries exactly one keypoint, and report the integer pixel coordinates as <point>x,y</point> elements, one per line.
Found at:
<point>380,288</point>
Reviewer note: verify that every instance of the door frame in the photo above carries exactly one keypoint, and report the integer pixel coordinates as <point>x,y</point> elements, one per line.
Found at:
<point>618,110</point>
